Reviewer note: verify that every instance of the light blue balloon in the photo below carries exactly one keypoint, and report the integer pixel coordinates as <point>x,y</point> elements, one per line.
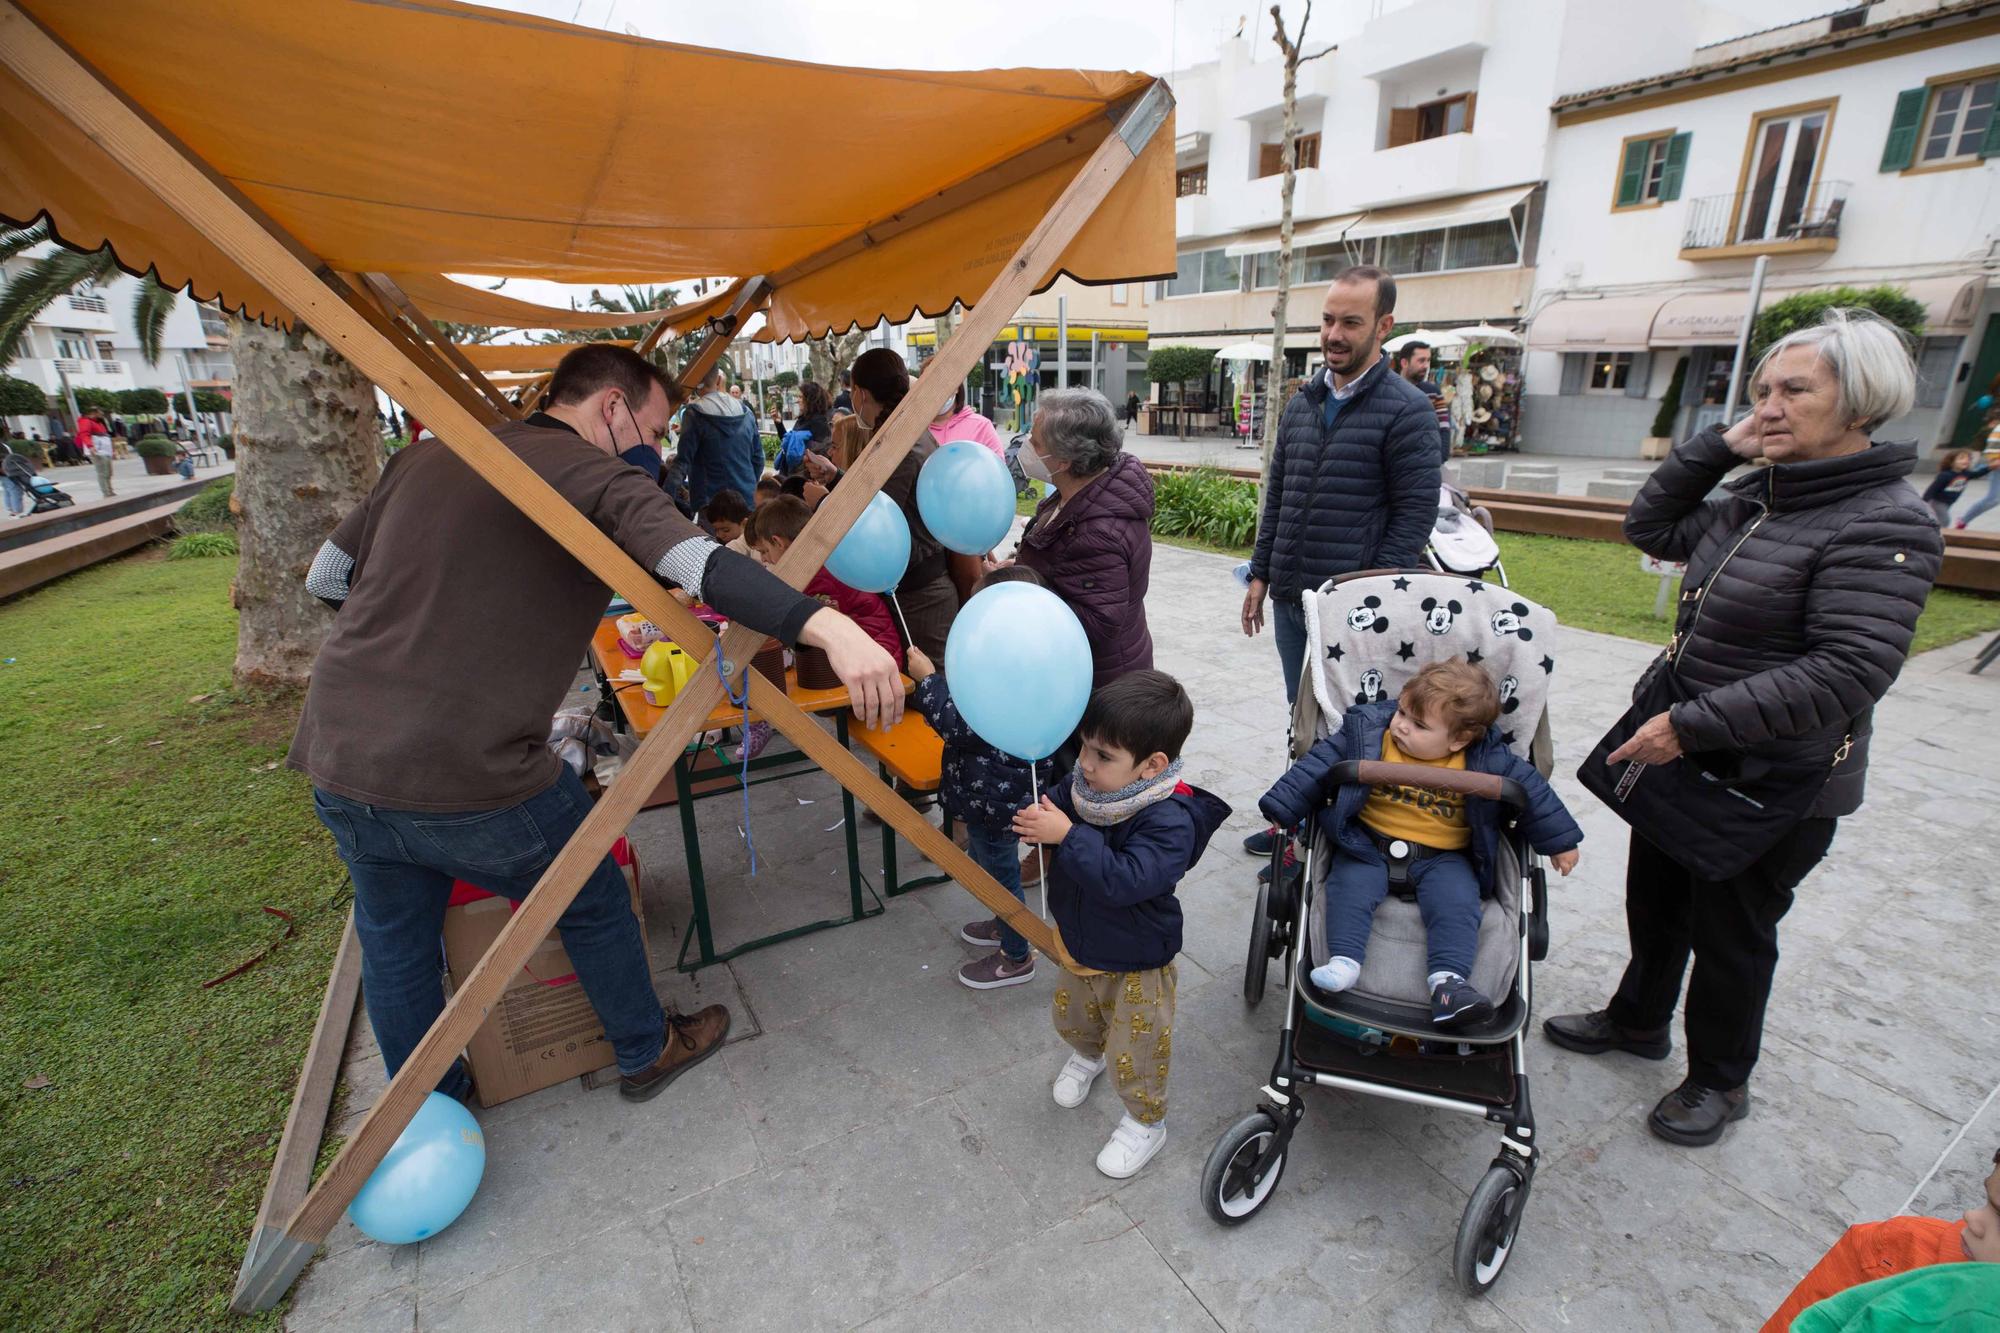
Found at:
<point>1019,666</point>
<point>966,497</point>
<point>428,1177</point>
<point>876,550</point>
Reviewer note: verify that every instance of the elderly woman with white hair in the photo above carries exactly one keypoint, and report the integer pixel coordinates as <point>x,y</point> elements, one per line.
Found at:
<point>1805,578</point>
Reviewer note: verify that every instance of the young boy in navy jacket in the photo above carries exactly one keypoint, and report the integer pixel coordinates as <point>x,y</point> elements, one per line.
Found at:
<point>1124,829</point>
<point>1443,719</point>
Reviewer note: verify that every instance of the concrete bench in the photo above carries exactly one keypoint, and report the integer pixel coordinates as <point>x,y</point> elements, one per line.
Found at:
<point>1613,490</point>
<point>1532,477</point>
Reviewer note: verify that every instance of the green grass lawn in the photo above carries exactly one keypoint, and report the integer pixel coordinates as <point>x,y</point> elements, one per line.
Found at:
<point>143,833</point>
<point>1599,586</point>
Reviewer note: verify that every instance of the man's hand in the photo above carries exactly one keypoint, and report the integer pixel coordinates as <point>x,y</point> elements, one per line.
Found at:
<point>1564,862</point>
<point>920,666</point>
<point>1744,439</point>
<point>1653,743</point>
<point>820,468</point>
<point>1253,606</point>
<point>870,674</point>
<point>1042,823</point>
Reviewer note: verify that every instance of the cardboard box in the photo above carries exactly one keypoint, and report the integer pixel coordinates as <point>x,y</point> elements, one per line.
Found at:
<point>542,1029</point>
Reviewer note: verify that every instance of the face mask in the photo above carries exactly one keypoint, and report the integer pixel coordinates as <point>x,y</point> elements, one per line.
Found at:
<point>645,458</point>
<point>1035,465</point>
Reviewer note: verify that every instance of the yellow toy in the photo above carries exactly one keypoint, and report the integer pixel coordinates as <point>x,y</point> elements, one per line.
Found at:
<point>666,669</point>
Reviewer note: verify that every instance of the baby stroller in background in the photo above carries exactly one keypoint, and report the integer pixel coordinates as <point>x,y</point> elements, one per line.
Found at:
<point>44,495</point>
<point>1462,538</point>
<point>1366,635</point>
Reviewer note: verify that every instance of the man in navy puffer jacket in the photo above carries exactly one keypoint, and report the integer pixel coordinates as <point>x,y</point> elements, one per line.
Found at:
<point>1354,479</point>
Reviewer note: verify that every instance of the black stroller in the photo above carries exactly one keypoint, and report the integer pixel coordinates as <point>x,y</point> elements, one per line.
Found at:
<point>44,495</point>
<point>1366,634</point>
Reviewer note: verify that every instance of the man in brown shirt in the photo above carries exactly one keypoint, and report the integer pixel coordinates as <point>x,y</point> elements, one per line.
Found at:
<point>460,627</point>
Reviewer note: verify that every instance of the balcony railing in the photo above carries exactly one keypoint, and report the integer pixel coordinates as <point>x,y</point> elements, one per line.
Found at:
<point>70,365</point>
<point>93,305</point>
<point>1752,217</point>
<point>214,325</point>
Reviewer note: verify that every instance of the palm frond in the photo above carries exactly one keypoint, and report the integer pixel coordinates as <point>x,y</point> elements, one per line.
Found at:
<point>37,286</point>
<point>18,240</point>
<point>151,305</point>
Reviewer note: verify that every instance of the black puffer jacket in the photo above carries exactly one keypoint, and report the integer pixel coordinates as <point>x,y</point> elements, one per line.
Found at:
<point>1806,580</point>
<point>1362,495</point>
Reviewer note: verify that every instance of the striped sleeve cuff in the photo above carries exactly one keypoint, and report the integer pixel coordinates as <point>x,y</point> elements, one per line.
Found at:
<point>684,564</point>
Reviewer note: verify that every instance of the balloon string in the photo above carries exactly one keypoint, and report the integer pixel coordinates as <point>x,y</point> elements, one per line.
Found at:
<point>897,606</point>
<point>1041,852</point>
<point>742,700</point>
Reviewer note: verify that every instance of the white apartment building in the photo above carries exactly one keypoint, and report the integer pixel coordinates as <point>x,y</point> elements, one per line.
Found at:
<point>1423,137</point>
<point>1858,148</point>
<point>87,338</point>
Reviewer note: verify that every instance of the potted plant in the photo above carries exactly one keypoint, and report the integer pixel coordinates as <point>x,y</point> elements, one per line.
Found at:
<point>158,453</point>
<point>1661,441</point>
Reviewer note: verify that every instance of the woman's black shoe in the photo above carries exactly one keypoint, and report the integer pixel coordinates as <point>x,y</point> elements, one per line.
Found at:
<point>1594,1033</point>
<point>1694,1116</point>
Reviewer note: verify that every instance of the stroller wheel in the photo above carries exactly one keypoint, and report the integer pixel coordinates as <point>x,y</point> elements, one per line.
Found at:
<point>1486,1232</point>
<point>1243,1169</point>
<point>1258,961</point>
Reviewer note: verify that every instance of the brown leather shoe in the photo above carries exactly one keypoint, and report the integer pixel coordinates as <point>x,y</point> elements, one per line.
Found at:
<point>1694,1116</point>
<point>690,1040</point>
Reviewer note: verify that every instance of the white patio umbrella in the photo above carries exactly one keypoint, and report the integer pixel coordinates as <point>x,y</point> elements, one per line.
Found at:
<point>1245,352</point>
<point>1489,334</point>
<point>1432,337</point>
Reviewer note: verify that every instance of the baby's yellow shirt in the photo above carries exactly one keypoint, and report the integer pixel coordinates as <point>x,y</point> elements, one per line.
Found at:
<point>1423,815</point>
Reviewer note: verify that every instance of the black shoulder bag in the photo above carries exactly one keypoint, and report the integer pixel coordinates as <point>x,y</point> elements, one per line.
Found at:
<point>1715,812</point>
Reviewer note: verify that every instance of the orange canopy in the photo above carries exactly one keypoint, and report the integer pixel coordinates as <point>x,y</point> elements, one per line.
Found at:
<point>425,137</point>
<point>522,356</point>
<point>441,298</point>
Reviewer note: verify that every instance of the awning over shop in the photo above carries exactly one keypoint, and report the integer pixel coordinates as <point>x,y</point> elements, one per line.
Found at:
<point>442,298</point>
<point>1046,333</point>
<point>1608,323</point>
<point>878,221</point>
<point>1461,211</point>
<point>1317,231</point>
<point>1951,305</point>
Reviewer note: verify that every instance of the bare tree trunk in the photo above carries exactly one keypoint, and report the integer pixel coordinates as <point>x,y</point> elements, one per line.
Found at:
<point>307,451</point>
<point>1274,378</point>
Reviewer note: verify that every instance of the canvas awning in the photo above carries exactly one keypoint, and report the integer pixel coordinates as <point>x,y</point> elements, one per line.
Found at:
<point>537,357</point>
<point>1460,211</point>
<point>1713,319</point>
<point>919,187</point>
<point>1583,324</point>
<point>442,298</point>
<point>1316,231</point>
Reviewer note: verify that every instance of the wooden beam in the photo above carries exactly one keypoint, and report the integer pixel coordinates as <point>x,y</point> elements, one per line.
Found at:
<point>305,1123</point>
<point>312,291</point>
<point>385,287</point>
<point>375,308</point>
<point>729,324</point>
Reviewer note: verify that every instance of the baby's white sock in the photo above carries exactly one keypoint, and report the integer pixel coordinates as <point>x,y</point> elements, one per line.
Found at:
<point>1337,975</point>
<point>1438,978</point>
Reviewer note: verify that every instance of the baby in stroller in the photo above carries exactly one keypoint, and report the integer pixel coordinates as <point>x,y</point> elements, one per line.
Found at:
<point>1434,844</point>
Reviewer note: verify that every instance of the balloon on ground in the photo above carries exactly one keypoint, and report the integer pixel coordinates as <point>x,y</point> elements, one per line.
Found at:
<point>876,550</point>
<point>966,497</point>
<point>1019,666</point>
<point>427,1178</point>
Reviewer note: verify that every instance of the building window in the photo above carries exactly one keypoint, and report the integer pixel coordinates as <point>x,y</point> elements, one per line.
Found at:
<point>1483,245</point>
<point>1957,123</point>
<point>1937,358</point>
<point>1120,293</point>
<point>1452,115</point>
<point>1191,180</point>
<point>1200,271</point>
<point>1414,252</point>
<point>1609,372</point>
<point>1271,156</point>
<point>1781,171</point>
<point>1650,169</point>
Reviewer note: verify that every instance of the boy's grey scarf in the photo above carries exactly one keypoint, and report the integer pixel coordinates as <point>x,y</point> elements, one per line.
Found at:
<point>1104,809</point>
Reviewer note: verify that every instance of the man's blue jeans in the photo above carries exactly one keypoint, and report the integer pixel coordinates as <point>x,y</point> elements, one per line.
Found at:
<point>403,863</point>
<point>17,499</point>
<point>1288,627</point>
<point>997,851</point>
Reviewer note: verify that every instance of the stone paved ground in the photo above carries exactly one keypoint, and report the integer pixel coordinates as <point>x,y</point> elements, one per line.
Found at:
<point>876,1145</point>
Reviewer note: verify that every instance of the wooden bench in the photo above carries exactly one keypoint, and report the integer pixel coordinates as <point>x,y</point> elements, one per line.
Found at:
<point>913,755</point>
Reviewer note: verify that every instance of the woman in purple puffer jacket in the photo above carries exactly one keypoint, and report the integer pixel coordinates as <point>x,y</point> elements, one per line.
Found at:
<point>1090,540</point>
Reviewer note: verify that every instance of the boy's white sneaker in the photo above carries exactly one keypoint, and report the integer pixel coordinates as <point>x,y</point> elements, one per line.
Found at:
<point>1132,1146</point>
<point>1073,1083</point>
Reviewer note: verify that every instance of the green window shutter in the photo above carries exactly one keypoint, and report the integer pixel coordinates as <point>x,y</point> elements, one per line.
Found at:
<point>1990,145</point>
<point>1901,148</point>
<point>1632,172</point>
<point>1675,166</point>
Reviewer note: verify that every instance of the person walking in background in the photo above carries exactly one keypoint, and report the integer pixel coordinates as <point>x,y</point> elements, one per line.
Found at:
<point>1413,363</point>
<point>1131,409</point>
<point>1353,480</point>
<point>1956,472</point>
<point>720,447</point>
<point>94,438</point>
<point>15,474</point>
<point>1992,465</point>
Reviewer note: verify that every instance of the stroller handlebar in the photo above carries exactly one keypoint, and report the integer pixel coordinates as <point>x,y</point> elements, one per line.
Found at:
<point>1373,772</point>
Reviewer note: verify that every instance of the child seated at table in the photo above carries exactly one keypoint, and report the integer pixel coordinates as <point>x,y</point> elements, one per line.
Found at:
<point>770,531</point>
<point>724,515</point>
<point>769,488</point>
<point>982,787</point>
